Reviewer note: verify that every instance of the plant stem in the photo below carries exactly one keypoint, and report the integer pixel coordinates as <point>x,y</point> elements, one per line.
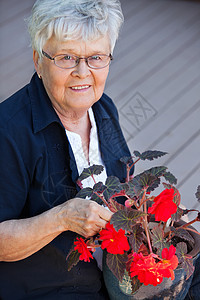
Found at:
<point>145,221</point>
<point>92,175</point>
<point>103,199</point>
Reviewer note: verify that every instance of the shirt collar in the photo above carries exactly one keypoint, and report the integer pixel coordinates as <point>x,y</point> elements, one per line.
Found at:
<point>43,113</point>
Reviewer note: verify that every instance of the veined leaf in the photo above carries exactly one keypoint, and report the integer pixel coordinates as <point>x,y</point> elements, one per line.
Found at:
<point>126,160</point>
<point>96,198</point>
<point>117,264</point>
<point>112,186</point>
<point>136,284</point>
<point>198,193</point>
<point>157,171</point>
<point>183,234</point>
<point>149,155</point>
<point>92,170</point>
<point>136,238</point>
<point>158,239</point>
<point>170,177</point>
<point>185,260</point>
<point>177,216</point>
<point>84,193</point>
<point>139,183</point>
<point>125,219</point>
<point>117,206</point>
<point>99,187</point>
<point>72,259</point>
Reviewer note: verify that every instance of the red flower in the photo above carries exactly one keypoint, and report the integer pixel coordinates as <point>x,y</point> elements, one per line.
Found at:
<point>169,257</point>
<point>114,241</point>
<point>146,269</point>
<point>81,247</point>
<point>163,206</point>
<point>150,272</point>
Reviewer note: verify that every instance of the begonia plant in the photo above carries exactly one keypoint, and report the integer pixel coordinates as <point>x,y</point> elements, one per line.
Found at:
<point>146,252</point>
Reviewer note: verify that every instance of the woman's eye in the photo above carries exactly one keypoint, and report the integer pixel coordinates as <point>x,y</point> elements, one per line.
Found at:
<point>68,57</point>
<point>96,57</point>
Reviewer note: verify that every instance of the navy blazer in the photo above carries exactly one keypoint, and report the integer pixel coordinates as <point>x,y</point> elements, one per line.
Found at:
<point>38,171</point>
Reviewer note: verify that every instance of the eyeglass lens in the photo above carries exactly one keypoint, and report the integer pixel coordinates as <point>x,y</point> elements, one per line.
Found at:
<point>70,61</point>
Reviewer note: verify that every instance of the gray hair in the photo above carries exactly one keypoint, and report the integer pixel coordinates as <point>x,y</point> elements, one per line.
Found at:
<point>74,19</point>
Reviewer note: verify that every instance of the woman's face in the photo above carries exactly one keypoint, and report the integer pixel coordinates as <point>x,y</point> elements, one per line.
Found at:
<point>61,84</point>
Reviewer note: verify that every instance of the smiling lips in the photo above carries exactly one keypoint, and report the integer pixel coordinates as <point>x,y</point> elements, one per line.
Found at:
<point>80,87</point>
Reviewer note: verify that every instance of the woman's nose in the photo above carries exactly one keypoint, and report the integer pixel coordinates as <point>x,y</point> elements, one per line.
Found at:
<point>82,69</point>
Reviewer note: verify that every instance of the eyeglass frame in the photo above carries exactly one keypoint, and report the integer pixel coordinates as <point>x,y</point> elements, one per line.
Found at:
<point>78,60</point>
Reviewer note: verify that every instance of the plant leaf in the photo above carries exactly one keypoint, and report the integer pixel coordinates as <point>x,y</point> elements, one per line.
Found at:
<point>125,219</point>
<point>117,206</point>
<point>126,160</point>
<point>150,154</point>
<point>177,216</point>
<point>96,198</point>
<point>136,237</point>
<point>197,194</point>
<point>99,187</point>
<point>185,260</point>
<point>158,239</point>
<point>117,264</point>
<point>183,234</point>
<point>112,186</point>
<point>170,177</point>
<point>136,284</point>
<point>84,193</point>
<point>72,259</point>
<point>92,170</point>
<point>157,171</point>
<point>140,182</point>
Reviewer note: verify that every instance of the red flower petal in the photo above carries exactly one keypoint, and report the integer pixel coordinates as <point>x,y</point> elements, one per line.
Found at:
<point>163,206</point>
<point>81,247</point>
<point>114,241</point>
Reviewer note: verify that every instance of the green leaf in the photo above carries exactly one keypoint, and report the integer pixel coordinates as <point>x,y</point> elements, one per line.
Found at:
<point>185,260</point>
<point>84,193</point>
<point>125,219</point>
<point>170,177</point>
<point>136,237</point>
<point>72,259</point>
<point>117,264</point>
<point>113,185</point>
<point>158,239</point>
<point>150,154</point>
<point>92,170</point>
<point>197,194</point>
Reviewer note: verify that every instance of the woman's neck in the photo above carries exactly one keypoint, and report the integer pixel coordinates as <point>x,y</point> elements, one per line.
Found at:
<point>80,124</point>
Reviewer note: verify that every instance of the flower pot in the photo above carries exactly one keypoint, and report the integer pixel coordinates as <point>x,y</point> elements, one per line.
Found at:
<point>168,289</point>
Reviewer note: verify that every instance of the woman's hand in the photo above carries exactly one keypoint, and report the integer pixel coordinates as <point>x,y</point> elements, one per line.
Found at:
<point>84,217</point>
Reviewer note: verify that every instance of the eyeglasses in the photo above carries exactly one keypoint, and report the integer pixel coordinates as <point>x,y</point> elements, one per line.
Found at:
<point>66,61</point>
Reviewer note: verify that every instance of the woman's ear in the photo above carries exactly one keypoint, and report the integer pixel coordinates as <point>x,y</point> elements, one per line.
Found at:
<point>36,60</point>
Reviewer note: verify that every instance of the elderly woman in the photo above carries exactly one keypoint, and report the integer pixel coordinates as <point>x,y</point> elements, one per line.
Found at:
<point>58,124</point>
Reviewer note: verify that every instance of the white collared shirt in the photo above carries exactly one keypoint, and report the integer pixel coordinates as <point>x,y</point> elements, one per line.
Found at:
<point>94,152</point>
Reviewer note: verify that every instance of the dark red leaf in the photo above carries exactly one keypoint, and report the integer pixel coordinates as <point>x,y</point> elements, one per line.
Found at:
<point>117,264</point>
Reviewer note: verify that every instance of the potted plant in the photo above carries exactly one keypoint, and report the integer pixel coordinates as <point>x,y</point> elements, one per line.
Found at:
<point>149,251</point>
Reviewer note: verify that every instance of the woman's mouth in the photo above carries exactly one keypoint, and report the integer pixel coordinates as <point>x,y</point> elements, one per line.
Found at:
<point>80,87</point>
